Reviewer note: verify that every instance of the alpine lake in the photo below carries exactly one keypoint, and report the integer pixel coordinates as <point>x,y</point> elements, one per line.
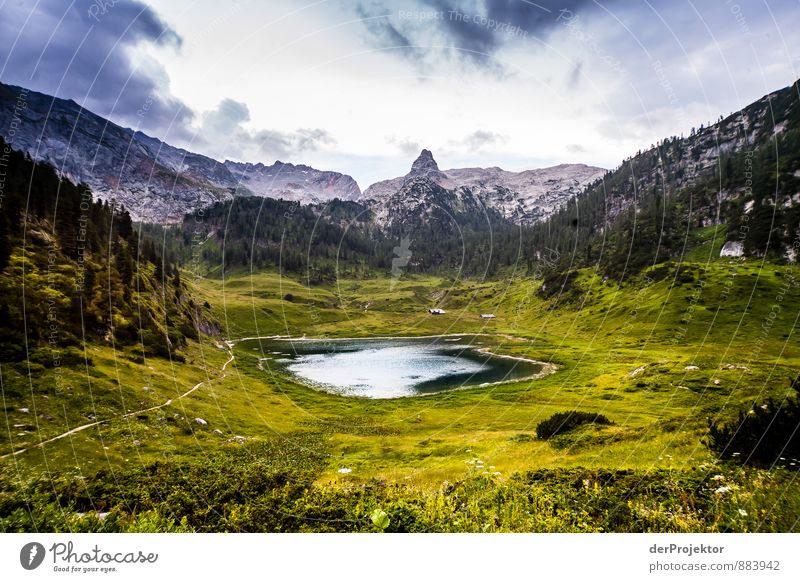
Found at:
<point>390,367</point>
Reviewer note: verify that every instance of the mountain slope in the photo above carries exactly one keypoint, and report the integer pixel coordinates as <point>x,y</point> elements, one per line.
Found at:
<point>741,175</point>
<point>523,197</point>
<point>75,270</point>
<point>155,181</point>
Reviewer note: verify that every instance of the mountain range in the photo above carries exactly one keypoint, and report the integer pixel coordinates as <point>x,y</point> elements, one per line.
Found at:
<point>155,181</point>
<point>160,183</point>
<point>521,197</point>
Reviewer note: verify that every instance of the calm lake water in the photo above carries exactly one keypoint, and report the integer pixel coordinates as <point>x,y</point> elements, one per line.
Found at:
<point>389,368</point>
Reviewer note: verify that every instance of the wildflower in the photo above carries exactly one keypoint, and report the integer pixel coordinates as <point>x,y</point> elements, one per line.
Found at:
<point>718,478</point>
<point>742,512</point>
<point>344,471</point>
<point>722,490</point>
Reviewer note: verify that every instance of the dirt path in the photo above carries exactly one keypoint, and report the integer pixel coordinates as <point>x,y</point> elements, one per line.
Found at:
<point>83,427</point>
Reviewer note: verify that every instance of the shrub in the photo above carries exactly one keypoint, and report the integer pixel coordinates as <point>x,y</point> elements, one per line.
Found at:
<point>767,434</point>
<point>563,285</point>
<point>562,422</point>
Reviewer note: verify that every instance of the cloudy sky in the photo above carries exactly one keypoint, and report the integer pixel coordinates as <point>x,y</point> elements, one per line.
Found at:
<point>360,86</point>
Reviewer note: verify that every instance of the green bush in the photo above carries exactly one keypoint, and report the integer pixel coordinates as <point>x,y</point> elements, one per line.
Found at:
<point>765,435</point>
<point>562,422</point>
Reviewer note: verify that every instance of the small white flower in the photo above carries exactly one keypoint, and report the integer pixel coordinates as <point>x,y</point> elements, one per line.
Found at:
<point>718,478</point>
<point>345,470</point>
<point>742,512</point>
<point>722,490</point>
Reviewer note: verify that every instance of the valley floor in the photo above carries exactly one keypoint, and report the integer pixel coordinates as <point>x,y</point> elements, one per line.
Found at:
<point>216,442</point>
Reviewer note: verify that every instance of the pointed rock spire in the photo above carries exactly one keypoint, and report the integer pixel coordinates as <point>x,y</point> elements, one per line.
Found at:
<point>426,166</point>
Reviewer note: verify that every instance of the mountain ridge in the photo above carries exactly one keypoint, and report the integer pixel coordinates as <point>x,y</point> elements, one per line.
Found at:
<point>522,197</point>
<point>155,181</point>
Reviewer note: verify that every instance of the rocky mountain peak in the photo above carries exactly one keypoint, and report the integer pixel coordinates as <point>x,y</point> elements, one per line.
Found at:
<point>425,165</point>
<point>522,197</point>
<point>155,181</point>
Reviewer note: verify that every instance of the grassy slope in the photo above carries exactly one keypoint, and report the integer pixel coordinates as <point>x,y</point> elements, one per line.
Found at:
<point>699,315</point>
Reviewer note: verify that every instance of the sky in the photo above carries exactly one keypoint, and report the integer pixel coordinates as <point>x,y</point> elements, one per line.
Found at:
<point>361,86</point>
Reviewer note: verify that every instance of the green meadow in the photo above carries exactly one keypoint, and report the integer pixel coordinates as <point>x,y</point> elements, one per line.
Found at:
<point>250,449</point>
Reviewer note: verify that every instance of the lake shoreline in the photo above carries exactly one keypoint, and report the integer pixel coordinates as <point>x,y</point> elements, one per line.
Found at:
<point>545,368</point>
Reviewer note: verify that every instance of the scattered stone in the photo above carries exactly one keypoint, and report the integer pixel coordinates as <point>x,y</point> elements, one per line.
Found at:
<point>24,410</point>
<point>200,421</point>
<point>637,371</point>
<point>137,443</point>
<point>344,471</point>
<point>732,249</point>
<point>216,431</point>
<point>716,382</point>
<point>692,368</point>
<point>147,389</point>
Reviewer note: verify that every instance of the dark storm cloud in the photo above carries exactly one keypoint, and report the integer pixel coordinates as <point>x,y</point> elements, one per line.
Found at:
<point>376,19</point>
<point>494,22</point>
<point>74,50</point>
<point>477,30</point>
